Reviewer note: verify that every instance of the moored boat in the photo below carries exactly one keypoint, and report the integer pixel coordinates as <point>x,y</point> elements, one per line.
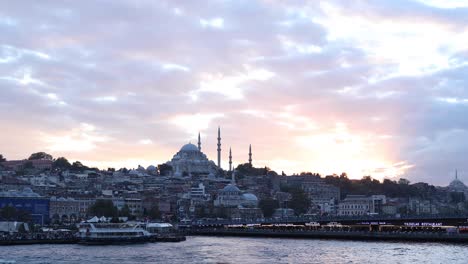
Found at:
<point>164,232</point>
<point>107,234</point>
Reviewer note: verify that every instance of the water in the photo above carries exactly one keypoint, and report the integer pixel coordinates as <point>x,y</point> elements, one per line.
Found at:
<point>242,250</point>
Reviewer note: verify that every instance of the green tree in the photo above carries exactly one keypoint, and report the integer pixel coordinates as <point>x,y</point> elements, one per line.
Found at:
<point>300,203</point>
<point>125,211</point>
<point>154,212</point>
<point>61,163</point>
<point>103,208</point>
<point>23,216</point>
<point>8,212</point>
<point>78,166</point>
<point>268,206</point>
<point>403,181</point>
<point>40,155</point>
<point>247,169</point>
<point>200,212</point>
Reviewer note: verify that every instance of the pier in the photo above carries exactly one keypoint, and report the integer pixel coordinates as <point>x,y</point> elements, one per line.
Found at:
<point>348,235</point>
<point>434,229</point>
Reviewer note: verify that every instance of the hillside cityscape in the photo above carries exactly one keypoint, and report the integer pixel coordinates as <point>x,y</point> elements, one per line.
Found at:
<point>47,190</point>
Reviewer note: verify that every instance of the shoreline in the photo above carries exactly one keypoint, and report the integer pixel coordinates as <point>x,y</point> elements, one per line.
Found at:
<point>78,241</point>
<point>358,236</point>
<point>37,242</point>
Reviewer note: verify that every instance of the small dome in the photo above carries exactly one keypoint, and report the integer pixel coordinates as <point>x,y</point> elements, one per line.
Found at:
<point>249,197</point>
<point>457,185</point>
<point>231,188</point>
<point>189,147</point>
<point>151,168</point>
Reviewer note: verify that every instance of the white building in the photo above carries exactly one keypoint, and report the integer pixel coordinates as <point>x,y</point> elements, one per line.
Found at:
<point>355,205</point>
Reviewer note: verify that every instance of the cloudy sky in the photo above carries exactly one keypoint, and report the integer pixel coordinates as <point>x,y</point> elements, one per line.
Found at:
<point>368,87</point>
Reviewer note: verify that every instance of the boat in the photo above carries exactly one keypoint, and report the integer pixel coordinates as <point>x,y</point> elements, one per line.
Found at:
<point>112,233</point>
<point>164,232</point>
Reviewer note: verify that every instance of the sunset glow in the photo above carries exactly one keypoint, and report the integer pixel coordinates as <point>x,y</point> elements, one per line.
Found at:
<point>369,88</point>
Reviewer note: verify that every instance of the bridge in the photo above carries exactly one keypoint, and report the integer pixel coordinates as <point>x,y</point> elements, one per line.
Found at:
<point>421,220</point>
<point>441,228</point>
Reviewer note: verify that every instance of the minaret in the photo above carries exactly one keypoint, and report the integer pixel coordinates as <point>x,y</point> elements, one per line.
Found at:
<point>233,177</point>
<point>250,154</point>
<point>199,142</point>
<point>456,174</point>
<point>219,147</point>
<point>230,160</point>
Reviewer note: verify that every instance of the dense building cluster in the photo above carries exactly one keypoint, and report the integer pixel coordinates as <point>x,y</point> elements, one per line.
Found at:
<point>190,186</point>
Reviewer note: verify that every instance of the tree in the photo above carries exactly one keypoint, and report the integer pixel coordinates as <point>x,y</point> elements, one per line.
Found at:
<point>8,212</point>
<point>247,169</point>
<point>2,159</point>
<point>78,166</point>
<point>40,155</point>
<point>61,163</point>
<point>268,206</point>
<point>300,203</point>
<point>200,212</point>
<point>103,208</point>
<point>125,211</point>
<point>154,212</point>
<point>403,181</point>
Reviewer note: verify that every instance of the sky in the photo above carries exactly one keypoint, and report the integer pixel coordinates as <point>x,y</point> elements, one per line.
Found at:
<point>372,87</point>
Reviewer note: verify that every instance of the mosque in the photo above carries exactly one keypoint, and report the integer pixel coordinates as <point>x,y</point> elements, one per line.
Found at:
<point>232,196</point>
<point>191,161</point>
<point>458,186</point>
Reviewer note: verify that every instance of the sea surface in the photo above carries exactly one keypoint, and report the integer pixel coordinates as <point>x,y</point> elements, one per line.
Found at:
<point>242,250</point>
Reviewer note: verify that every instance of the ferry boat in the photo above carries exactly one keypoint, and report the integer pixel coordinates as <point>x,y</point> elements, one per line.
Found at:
<point>110,233</point>
<point>163,232</point>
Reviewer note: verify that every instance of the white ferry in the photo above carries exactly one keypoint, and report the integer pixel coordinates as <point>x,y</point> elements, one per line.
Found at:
<point>109,233</point>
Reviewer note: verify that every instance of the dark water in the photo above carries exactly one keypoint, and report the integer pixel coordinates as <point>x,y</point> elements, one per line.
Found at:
<point>242,250</point>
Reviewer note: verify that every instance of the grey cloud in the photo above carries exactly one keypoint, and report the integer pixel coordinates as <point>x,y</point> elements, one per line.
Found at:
<point>120,51</point>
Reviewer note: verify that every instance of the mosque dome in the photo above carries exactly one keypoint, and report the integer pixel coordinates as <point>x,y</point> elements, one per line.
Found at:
<point>249,197</point>
<point>189,147</point>
<point>230,188</point>
<point>133,171</point>
<point>457,185</point>
<point>151,168</point>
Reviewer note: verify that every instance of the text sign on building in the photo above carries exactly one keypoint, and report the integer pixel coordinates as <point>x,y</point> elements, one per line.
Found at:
<point>423,224</point>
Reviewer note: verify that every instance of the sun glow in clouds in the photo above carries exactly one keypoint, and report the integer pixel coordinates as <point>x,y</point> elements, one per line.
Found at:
<point>416,48</point>
<point>192,124</point>
<point>231,86</point>
<point>82,139</point>
<point>354,154</point>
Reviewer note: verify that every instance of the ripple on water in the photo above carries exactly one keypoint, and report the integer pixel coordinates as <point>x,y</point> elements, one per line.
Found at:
<point>242,250</point>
